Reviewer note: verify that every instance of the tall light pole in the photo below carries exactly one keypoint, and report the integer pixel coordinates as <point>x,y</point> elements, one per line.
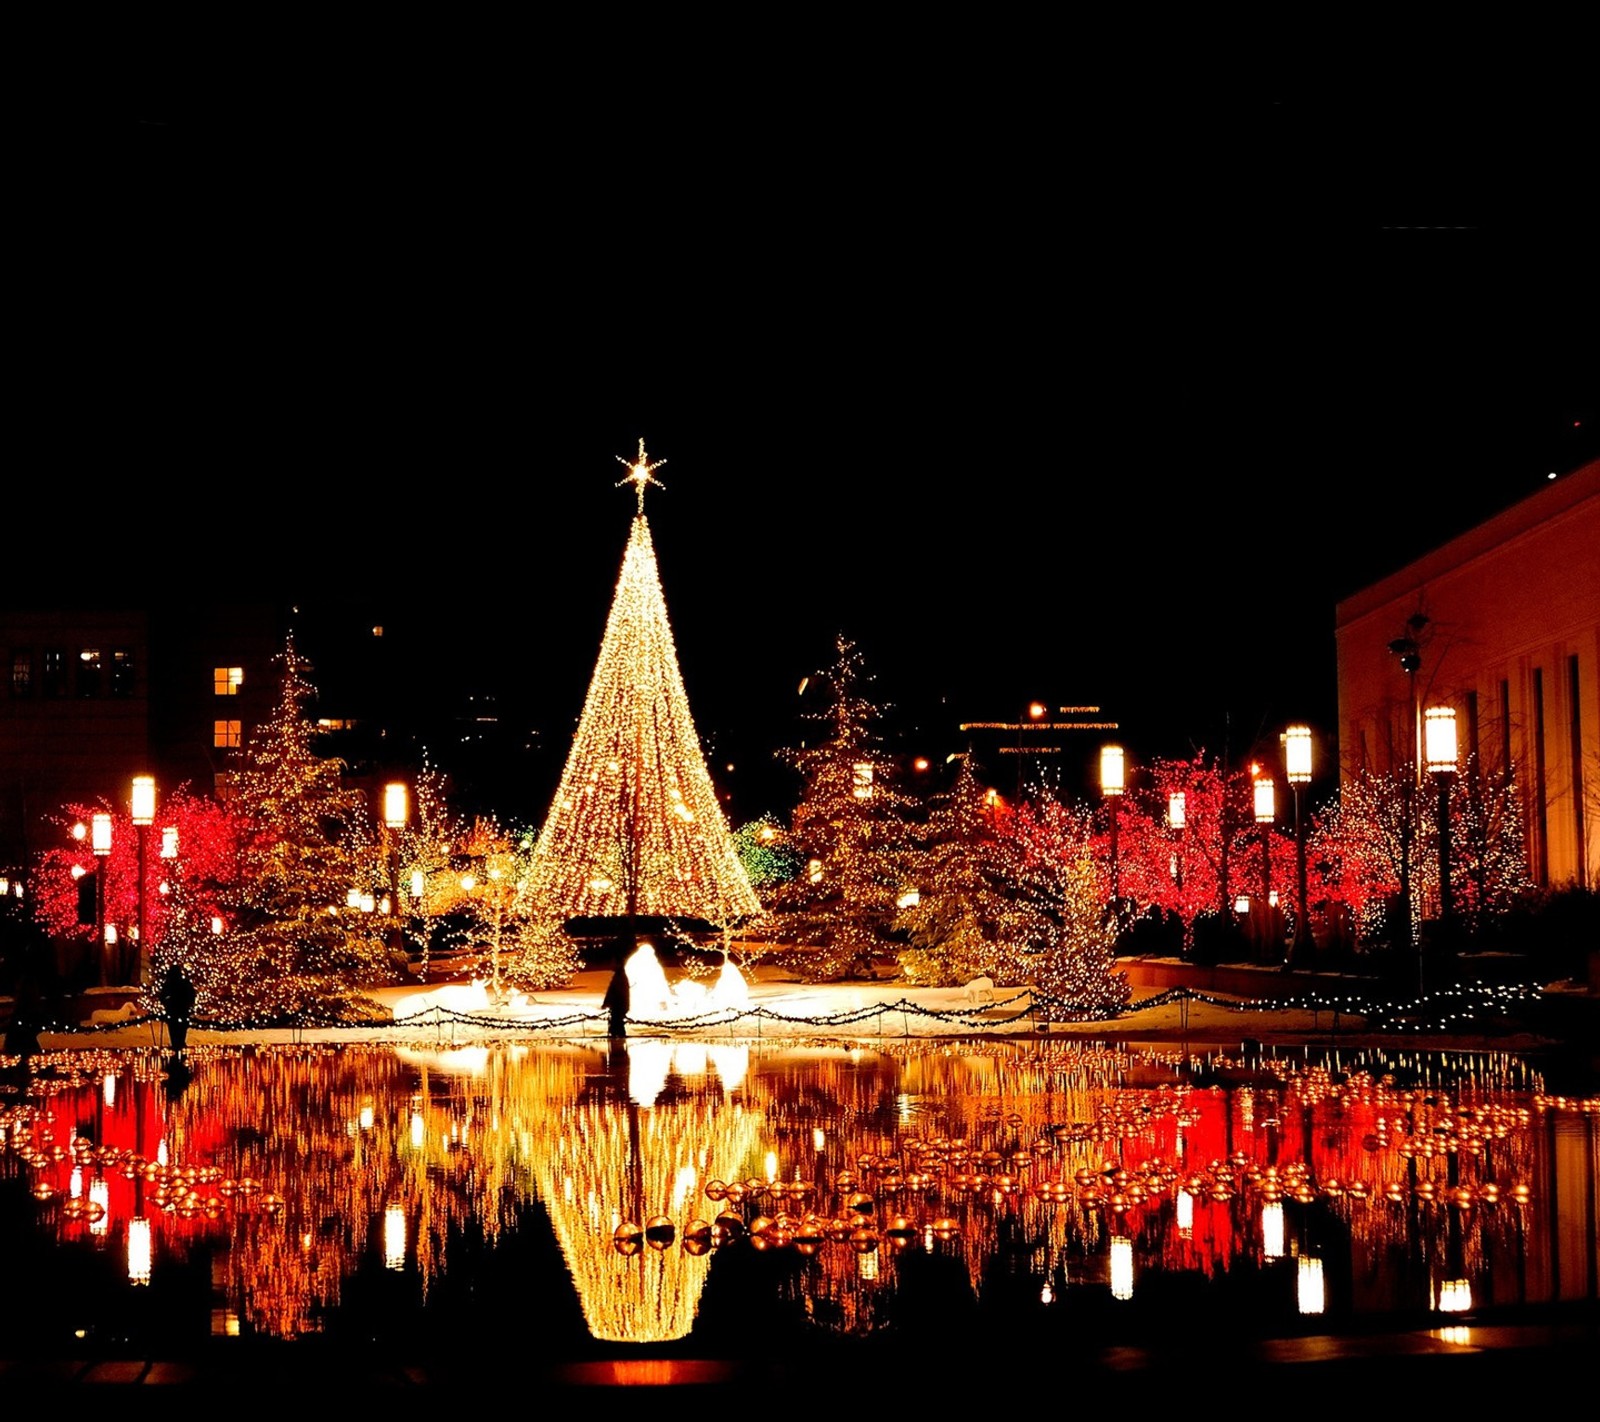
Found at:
<point>1266,812</point>
<point>1177,819</point>
<point>1111,785</point>
<point>394,820</point>
<point>143,807</point>
<point>1297,768</point>
<point>1440,732</point>
<point>100,842</point>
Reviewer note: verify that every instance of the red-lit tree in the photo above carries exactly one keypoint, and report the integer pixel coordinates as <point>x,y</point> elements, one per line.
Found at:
<point>1070,955</point>
<point>202,840</point>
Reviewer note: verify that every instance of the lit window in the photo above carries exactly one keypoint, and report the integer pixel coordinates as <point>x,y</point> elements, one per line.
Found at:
<point>225,681</point>
<point>121,671</point>
<point>22,673</point>
<point>89,667</point>
<point>225,733</point>
<point>55,671</point>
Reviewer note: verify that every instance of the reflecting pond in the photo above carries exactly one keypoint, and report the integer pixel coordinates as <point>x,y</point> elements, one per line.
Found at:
<point>573,1199</point>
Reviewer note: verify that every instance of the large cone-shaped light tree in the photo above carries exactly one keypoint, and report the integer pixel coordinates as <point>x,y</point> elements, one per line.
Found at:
<point>635,830</point>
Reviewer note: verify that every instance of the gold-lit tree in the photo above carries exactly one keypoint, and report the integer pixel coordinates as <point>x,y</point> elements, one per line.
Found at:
<point>279,943</point>
<point>850,833</point>
<point>635,830</point>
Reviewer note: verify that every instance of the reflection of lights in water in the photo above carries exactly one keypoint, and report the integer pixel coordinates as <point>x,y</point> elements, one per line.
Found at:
<point>772,1166</point>
<point>601,1162</point>
<point>486,1140</point>
<point>394,1238</point>
<point>1121,1267</point>
<point>905,1106</point>
<point>1457,1333</point>
<point>867,1265</point>
<point>99,1195</point>
<point>109,1089</point>
<point>1455,1296</point>
<point>649,1066</point>
<point>1272,1229</point>
<point>1309,1292</point>
<point>139,1250</point>
<point>366,1117</point>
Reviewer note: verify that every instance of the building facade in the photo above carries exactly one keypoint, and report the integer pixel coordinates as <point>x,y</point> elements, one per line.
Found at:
<point>1502,624</point>
<point>96,696</point>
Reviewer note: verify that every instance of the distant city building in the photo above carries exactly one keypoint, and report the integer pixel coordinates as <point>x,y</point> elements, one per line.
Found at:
<point>95,696</point>
<point>1502,624</point>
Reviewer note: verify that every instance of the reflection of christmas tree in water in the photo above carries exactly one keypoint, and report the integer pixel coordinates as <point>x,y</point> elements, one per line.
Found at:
<point>635,827</point>
<point>622,1175</point>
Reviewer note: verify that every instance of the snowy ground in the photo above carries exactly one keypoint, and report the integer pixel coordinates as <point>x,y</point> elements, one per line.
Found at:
<point>768,1006</point>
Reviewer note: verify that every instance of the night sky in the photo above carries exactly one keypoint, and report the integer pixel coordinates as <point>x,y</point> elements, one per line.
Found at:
<point>1016,436</point>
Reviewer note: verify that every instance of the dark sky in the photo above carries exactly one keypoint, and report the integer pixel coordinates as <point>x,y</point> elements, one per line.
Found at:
<point>1019,427</point>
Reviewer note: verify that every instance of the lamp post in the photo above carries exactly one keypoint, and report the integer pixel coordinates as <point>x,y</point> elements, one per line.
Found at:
<point>1177,818</point>
<point>394,820</point>
<point>1440,732</point>
<point>1036,710</point>
<point>100,842</point>
<point>143,807</point>
<point>1297,767</point>
<point>1266,811</point>
<point>1111,784</point>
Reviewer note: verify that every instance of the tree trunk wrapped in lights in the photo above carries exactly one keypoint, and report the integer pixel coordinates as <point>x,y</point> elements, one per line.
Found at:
<point>635,829</point>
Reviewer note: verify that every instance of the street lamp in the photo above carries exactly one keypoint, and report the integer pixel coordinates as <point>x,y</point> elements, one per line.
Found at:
<point>1111,784</point>
<point>1177,818</point>
<point>1297,766</point>
<point>1440,732</point>
<point>1266,812</point>
<point>394,820</point>
<point>100,842</point>
<point>143,807</point>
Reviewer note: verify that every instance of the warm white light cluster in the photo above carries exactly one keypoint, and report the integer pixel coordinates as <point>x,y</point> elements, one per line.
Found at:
<point>635,827</point>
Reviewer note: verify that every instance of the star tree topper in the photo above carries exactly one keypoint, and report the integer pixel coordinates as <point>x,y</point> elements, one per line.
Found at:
<point>639,472</point>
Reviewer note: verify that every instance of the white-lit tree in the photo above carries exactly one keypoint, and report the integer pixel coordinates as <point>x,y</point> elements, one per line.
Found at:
<point>635,829</point>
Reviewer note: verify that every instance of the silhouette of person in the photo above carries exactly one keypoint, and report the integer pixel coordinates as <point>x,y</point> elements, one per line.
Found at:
<point>617,1001</point>
<point>177,996</point>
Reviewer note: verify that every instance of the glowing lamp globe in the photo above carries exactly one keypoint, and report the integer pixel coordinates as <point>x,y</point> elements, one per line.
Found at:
<point>1439,739</point>
<point>1111,770</point>
<point>1297,754</point>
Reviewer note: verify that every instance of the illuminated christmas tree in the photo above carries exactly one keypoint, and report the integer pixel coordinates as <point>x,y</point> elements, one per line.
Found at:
<point>1071,956</point>
<point>850,834</point>
<point>635,830</point>
<point>965,909</point>
<point>283,942</point>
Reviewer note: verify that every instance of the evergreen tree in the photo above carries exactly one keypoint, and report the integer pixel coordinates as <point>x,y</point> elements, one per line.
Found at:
<point>302,838</point>
<point>966,913</point>
<point>1069,949</point>
<point>849,832</point>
